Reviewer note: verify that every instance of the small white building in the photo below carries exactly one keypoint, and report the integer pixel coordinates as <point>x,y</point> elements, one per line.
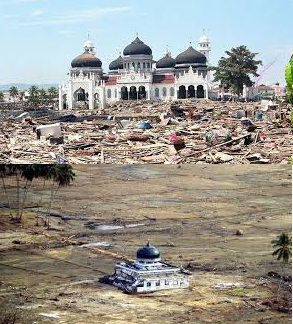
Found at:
<point>136,76</point>
<point>147,274</point>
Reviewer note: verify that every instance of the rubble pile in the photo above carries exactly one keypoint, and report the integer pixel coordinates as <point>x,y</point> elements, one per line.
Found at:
<point>143,132</point>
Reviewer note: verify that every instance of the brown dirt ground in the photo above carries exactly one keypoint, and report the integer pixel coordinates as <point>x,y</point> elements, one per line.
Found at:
<point>190,213</point>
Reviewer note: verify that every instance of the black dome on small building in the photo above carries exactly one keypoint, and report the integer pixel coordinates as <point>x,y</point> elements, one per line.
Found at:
<point>167,62</point>
<point>191,56</point>
<point>116,64</point>
<point>86,60</point>
<point>148,252</point>
<point>137,47</point>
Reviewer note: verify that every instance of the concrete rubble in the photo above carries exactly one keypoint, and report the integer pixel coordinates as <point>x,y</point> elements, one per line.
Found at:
<point>157,133</point>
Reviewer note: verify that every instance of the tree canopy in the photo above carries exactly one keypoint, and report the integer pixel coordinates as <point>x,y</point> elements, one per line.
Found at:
<point>236,70</point>
<point>283,245</point>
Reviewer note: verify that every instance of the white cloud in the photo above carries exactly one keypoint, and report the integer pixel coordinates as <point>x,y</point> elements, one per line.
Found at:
<point>38,13</point>
<point>77,17</point>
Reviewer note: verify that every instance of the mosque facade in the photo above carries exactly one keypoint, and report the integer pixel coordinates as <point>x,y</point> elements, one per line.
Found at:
<point>148,273</point>
<point>135,75</point>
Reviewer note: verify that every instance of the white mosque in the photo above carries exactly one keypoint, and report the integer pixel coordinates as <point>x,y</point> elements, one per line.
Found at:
<point>147,274</point>
<point>136,76</point>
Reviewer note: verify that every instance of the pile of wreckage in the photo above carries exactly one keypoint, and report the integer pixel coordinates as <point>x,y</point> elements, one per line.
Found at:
<point>142,132</point>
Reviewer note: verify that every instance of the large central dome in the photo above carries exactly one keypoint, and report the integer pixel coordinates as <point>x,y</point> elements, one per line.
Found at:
<point>148,252</point>
<point>137,47</point>
<point>191,56</point>
<point>86,60</point>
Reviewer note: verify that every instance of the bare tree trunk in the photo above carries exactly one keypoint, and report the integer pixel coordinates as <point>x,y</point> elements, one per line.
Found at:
<point>24,199</point>
<point>41,200</point>
<point>18,194</point>
<point>50,205</point>
<point>7,196</point>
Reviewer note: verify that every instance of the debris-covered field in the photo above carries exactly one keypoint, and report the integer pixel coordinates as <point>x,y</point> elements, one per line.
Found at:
<point>157,133</point>
<point>218,222</point>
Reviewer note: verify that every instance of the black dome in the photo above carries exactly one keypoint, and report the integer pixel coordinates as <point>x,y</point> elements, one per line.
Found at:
<point>191,56</point>
<point>166,62</point>
<point>148,252</point>
<point>137,47</point>
<point>86,60</point>
<point>116,64</point>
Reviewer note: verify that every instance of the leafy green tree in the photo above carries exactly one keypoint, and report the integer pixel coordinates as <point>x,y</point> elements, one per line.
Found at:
<point>42,95</point>
<point>34,95</point>
<point>236,70</point>
<point>289,88</point>
<point>1,96</point>
<point>283,245</point>
<point>53,93</point>
<point>13,92</point>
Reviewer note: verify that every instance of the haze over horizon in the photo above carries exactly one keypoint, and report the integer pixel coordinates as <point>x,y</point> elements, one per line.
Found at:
<point>42,39</point>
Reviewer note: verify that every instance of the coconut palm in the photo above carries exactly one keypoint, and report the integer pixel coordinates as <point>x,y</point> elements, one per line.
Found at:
<point>3,174</point>
<point>42,95</point>
<point>283,245</point>
<point>13,92</point>
<point>53,93</point>
<point>34,96</point>
<point>62,175</point>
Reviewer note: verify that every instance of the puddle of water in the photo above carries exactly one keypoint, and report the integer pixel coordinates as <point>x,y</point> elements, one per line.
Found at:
<point>116,227</point>
<point>98,244</point>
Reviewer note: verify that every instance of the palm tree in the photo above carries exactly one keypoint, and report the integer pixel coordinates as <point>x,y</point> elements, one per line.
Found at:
<point>42,95</point>
<point>1,96</point>
<point>53,93</point>
<point>62,175</point>
<point>33,95</point>
<point>21,95</point>
<point>3,174</point>
<point>283,243</point>
<point>13,93</point>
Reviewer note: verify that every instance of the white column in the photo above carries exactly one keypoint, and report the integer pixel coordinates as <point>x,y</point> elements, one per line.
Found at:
<point>70,96</point>
<point>60,98</point>
<point>91,96</point>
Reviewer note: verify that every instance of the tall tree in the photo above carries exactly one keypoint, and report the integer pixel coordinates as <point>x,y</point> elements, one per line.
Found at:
<point>42,95</point>
<point>289,88</point>
<point>34,95</point>
<point>283,245</point>
<point>1,96</point>
<point>53,93</point>
<point>4,169</point>
<point>236,70</point>
<point>13,92</point>
<point>62,175</point>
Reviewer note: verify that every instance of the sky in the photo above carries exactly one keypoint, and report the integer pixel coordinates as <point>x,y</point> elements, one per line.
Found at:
<point>40,38</point>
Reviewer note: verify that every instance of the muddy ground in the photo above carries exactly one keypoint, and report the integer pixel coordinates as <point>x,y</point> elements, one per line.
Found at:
<point>190,213</point>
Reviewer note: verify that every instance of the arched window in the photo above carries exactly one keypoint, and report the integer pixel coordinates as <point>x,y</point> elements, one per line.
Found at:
<point>133,65</point>
<point>138,65</point>
<point>172,92</point>
<point>164,92</point>
<point>109,94</point>
<point>143,65</point>
<point>157,92</point>
<point>148,65</point>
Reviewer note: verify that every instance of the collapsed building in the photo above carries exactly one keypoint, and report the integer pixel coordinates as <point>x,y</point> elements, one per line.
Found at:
<point>133,76</point>
<point>147,274</point>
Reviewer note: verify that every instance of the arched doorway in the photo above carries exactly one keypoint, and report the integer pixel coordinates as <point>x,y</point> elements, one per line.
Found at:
<point>200,92</point>
<point>141,93</point>
<point>182,92</point>
<point>133,93</point>
<point>124,93</point>
<point>81,95</point>
<point>191,92</point>
<point>65,101</point>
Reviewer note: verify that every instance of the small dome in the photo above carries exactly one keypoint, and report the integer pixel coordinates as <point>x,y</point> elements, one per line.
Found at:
<point>167,62</point>
<point>191,56</point>
<point>116,64</point>
<point>137,47</point>
<point>148,252</point>
<point>86,60</point>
